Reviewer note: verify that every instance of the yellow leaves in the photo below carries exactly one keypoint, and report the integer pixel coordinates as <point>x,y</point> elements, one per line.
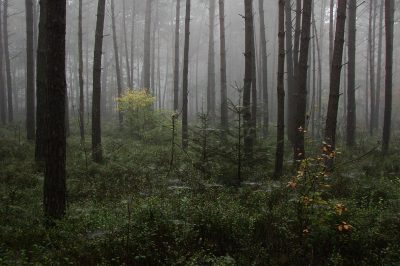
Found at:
<point>344,226</point>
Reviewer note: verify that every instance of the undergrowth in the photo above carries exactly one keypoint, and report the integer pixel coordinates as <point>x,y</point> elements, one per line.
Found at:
<point>139,208</point>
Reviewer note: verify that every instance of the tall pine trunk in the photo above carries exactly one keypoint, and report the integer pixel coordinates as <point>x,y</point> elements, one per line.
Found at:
<point>264,68</point>
<point>146,57</point>
<point>176,65</point>
<point>334,93</point>
<point>3,97</point>
<point>30,73</point>
<point>351,96</point>
<point>211,61</point>
<point>55,189</point>
<point>185,78</point>
<point>291,100</point>
<point>96,114</point>
<point>281,93</point>
<point>379,66</point>
<point>389,21</point>
<point>7,60</point>
<point>80,70</point>
<point>224,97</point>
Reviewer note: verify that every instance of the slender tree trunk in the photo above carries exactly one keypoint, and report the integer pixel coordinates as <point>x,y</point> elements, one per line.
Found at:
<point>366,91</point>
<point>133,43</point>
<point>248,75</point>
<point>7,59</point>
<point>211,61</point>
<point>332,3</point>
<point>153,55</point>
<point>379,67</point>
<point>254,91</point>
<point>30,69</point>
<point>146,58</point>
<point>351,96</point>
<point>389,21</point>
<point>334,93</point>
<point>116,56</point>
<point>224,96</point>
<point>176,66</point>
<point>96,114</point>
<point>312,112</point>
<point>80,70</point>
<point>292,124</point>
<point>3,97</point>
<point>371,45</point>
<point>55,189</point>
<point>40,148</point>
<point>185,78</point>
<point>291,110</point>
<point>281,93</point>
<point>264,68</point>
<point>299,152</point>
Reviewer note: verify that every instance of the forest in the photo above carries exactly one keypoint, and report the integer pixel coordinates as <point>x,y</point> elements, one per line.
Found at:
<point>199,132</point>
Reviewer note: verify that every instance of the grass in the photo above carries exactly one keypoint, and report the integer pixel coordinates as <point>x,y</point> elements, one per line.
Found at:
<point>139,209</point>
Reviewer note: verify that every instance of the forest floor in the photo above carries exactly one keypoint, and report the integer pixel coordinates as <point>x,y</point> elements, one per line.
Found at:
<point>152,203</point>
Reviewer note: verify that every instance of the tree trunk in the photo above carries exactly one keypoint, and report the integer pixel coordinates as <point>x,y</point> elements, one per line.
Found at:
<point>248,75</point>
<point>330,34</point>
<point>176,67</point>
<point>292,123</point>
<point>302,82</point>
<point>133,42</point>
<point>80,70</point>
<point>291,114</point>
<point>351,96</point>
<point>55,189</point>
<point>371,45</point>
<point>153,55</point>
<point>96,115</point>
<point>389,21</point>
<point>3,97</point>
<point>379,67</point>
<point>30,70</point>
<point>146,56</point>
<point>281,93</point>
<point>116,56</point>
<point>334,93</point>
<point>185,78</point>
<point>128,70</point>
<point>211,62</point>
<point>7,59</point>
<point>224,96</point>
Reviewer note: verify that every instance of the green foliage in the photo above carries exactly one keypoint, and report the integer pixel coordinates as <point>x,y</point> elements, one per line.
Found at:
<point>135,210</point>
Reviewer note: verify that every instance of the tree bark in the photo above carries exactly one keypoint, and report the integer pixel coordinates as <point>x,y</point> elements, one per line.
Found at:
<point>389,21</point>
<point>224,96</point>
<point>334,93</point>
<point>264,68</point>
<point>55,189</point>
<point>211,62</point>
<point>379,67</point>
<point>128,70</point>
<point>371,45</point>
<point>3,97</point>
<point>30,73</point>
<point>116,57</point>
<point>248,74</point>
<point>299,152</point>
<point>146,57</point>
<point>330,34</point>
<point>291,108</point>
<point>185,78</point>
<point>176,67</point>
<point>351,96</point>
<point>80,70</point>
<point>7,59</point>
<point>281,93</point>
<point>96,115</point>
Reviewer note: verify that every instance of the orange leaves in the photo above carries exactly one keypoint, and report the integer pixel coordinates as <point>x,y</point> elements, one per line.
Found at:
<point>344,226</point>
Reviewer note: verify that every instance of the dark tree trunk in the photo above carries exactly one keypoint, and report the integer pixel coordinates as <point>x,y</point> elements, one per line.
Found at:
<point>302,82</point>
<point>291,108</point>
<point>330,34</point>
<point>40,147</point>
<point>334,93</point>
<point>248,75</point>
<point>185,78</point>
<point>379,67</point>
<point>224,97</point>
<point>389,21</point>
<point>281,93</point>
<point>211,61</point>
<point>7,60</point>
<point>351,96</point>
<point>3,97</point>
<point>133,42</point>
<point>54,191</point>
<point>176,66</point>
<point>30,73</point>
<point>96,115</point>
<point>116,57</point>
<point>80,70</point>
<point>146,56</point>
